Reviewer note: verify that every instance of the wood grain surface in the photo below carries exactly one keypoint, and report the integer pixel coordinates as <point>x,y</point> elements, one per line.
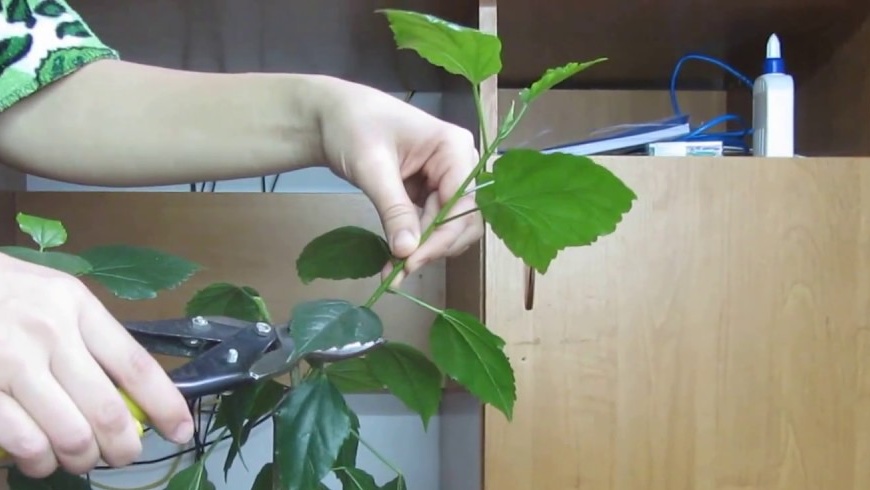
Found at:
<point>718,341</point>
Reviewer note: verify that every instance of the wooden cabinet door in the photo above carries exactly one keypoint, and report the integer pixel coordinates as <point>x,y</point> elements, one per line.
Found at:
<point>717,341</point>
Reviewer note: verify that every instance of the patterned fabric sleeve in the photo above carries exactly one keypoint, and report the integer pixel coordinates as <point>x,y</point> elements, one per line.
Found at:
<point>42,41</point>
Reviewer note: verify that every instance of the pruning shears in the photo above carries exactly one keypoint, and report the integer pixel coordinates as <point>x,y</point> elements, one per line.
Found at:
<point>226,353</point>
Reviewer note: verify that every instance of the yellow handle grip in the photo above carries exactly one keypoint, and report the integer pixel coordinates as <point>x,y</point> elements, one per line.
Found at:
<point>139,416</point>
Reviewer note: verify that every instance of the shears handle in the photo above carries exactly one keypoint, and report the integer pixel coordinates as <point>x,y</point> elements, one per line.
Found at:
<point>138,415</point>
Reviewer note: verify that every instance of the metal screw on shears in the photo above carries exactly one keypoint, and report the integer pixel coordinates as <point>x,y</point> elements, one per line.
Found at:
<point>263,329</point>
<point>199,323</point>
<point>232,356</point>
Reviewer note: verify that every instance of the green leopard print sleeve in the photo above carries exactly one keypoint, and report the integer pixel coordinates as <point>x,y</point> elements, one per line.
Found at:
<point>42,41</point>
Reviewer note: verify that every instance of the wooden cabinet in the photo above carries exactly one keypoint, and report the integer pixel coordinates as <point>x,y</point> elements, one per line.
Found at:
<point>716,341</point>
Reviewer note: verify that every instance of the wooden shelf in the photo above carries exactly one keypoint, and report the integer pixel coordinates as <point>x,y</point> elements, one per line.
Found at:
<point>824,43</point>
<point>644,39</point>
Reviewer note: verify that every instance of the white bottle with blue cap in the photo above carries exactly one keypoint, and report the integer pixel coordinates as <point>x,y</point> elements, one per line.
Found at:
<point>773,106</point>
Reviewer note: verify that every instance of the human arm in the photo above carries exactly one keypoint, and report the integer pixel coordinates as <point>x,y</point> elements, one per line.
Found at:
<point>116,123</point>
<point>70,110</point>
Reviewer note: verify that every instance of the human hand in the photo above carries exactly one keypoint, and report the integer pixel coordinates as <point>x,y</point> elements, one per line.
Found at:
<point>402,158</point>
<point>58,405</point>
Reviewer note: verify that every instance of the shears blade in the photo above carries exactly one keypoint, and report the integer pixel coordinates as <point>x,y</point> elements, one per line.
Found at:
<point>281,360</point>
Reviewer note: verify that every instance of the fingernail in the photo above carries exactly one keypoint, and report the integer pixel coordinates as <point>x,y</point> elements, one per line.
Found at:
<point>404,241</point>
<point>183,433</point>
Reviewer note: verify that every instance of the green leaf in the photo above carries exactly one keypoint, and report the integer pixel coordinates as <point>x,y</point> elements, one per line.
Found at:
<point>137,273</point>
<point>64,262</point>
<point>356,479</point>
<point>539,204</point>
<point>265,395</point>
<point>47,233</point>
<point>264,479</point>
<point>194,477</point>
<point>59,480</point>
<point>397,483</point>
<point>353,376</point>
<point>310,429</point>
<point>410,376</point>
<point>348,252</point>
<point>224,299</point>
<point>553,77</point>
<point>459,50</point>
<point>332,323</point>
<point>349,448</point>
<point>471,354</point>
<point>241,410</point>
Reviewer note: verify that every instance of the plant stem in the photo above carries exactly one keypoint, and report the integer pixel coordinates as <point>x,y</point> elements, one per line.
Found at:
<point>478,105</point>
<point>457,216</point>
<point>376,453</point>
<point>416,300</point>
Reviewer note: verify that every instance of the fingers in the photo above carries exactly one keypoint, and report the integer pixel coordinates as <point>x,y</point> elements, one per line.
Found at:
<point>430,209</point>
<point>456,159</point>
<point>25,442</point>
<point>464,224</point>
<point>415,187</point>
<point>383,184</point>
<point>58,348</point>
<point>113,426</point>
<point>68,431</point>
<point>140,375</point>
<point>448,168</point>
<point>471,223</point>
<point>424,254</point>
<point>470,235</point>
<point>33,334</point>
<point>445,165</point>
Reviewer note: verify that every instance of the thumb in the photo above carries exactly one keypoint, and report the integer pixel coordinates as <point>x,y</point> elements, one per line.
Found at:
<point>383,184</point>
